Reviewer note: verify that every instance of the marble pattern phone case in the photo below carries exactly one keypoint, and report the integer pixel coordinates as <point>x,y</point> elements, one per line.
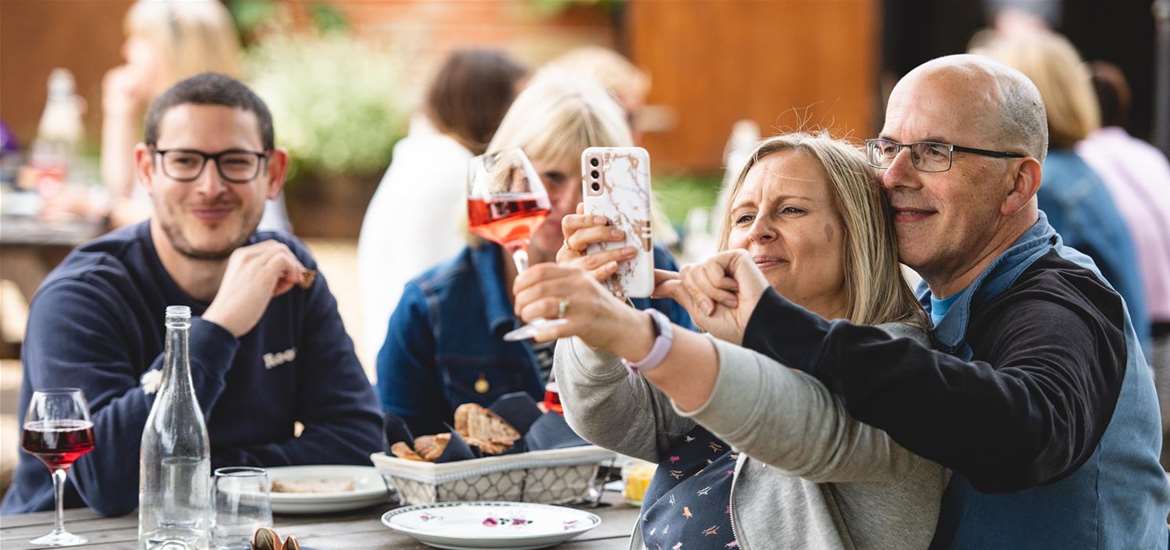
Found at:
<point>623,196</point>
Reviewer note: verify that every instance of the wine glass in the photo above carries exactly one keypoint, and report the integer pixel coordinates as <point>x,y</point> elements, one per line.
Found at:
<point>58,431</point>
<point>506,203</point>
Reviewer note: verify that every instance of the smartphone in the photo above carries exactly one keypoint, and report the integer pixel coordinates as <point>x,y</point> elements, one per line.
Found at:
<point>616,184</point>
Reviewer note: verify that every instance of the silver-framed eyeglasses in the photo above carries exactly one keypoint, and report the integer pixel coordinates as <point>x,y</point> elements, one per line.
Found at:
<point>926,156</point>
<point>233,165</point>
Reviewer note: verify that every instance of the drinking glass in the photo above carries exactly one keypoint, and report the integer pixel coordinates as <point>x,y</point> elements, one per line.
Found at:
<point>506,203</point>
<point>242,505</point>
<point>58,431</point>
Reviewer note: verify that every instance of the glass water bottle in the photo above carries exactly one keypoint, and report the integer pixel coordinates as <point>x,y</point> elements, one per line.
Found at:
<point>174,502</point>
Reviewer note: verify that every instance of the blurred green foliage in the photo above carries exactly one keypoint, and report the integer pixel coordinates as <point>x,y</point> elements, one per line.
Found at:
<point>251,15</point>
<point>553,7</point>
<point>678,194</point>
<point>332,98</point>
<point>327,18</point>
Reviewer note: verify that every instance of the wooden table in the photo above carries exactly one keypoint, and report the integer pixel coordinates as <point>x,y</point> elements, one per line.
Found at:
<point>30,248</point>
<point>347,530</point>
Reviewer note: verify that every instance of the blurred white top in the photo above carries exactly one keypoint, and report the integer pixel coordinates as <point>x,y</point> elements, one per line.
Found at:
<point>417,218</point>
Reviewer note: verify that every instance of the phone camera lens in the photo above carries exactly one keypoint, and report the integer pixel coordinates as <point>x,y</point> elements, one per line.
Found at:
<point>595,174</point>
<point>593,162</point>
<point>595,187</point>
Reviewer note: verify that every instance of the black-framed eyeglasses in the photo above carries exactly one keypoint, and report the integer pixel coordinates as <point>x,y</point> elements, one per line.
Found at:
<point>926,156</point>
<point>233,165</point>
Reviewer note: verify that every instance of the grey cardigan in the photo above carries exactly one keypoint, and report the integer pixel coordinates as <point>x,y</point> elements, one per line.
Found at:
<point>808,475</point>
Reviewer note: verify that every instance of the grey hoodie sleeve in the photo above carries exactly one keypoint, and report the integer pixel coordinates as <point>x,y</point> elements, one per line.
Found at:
<point>611,409</point>
<point>789,420</point>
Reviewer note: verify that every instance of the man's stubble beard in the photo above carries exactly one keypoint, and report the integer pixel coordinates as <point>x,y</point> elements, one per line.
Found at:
<point>182,246</point>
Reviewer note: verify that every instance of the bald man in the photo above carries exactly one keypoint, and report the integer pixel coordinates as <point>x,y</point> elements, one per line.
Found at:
<point>1038,397</point>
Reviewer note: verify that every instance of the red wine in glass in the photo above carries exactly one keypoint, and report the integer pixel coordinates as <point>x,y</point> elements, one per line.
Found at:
<point>507,219</point>
<point>58,431</point>
<point>57,443</point>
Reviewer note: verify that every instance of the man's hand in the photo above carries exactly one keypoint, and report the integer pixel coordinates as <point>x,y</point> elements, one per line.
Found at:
<point>255,275</point>
<point>720,294</point>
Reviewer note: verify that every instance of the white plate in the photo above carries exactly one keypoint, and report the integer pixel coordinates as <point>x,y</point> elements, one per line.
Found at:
<point>369,489</point>
<point>479,525</point>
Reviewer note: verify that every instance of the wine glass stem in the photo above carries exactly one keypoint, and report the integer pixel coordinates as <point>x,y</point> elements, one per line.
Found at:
<point>59,490</point>
<point>520,258</point>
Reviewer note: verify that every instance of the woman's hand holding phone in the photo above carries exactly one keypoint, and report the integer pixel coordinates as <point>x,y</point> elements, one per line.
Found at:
<point>582,230</point>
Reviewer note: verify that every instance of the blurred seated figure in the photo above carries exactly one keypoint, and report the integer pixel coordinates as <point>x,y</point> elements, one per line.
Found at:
<point>417,216</point>
<point>267,346</point>
<point>629,85</point>
<point>1078,204</point>
<point>1138,177</point>
<point>444,345</point>
<point>166,41</point>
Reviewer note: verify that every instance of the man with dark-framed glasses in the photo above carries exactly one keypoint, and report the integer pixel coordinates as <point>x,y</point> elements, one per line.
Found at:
<point>267,347</point>
<point>234,166</point>
<point>1037,396</point>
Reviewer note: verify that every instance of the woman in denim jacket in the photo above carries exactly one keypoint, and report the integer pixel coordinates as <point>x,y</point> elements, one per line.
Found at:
<point>444,345</point>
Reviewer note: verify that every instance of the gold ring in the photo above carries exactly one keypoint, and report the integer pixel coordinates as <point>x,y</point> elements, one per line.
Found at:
<point>562,308</point>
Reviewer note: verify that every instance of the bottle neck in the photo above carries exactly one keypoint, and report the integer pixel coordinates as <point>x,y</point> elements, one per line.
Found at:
<point>177,366</point>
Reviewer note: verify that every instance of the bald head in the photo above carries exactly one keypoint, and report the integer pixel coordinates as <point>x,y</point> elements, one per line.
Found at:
<point>997,102</point>
<point>952,222</point>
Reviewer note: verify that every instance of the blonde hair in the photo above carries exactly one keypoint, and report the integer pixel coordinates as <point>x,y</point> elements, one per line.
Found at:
<point>619,77</point>
<point>1064,82</point>
<point>192,37</point>
<point>875,290</point>
<point>557,116</point>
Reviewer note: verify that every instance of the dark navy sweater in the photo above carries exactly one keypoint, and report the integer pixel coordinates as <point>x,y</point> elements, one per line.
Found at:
<point>97,324</point>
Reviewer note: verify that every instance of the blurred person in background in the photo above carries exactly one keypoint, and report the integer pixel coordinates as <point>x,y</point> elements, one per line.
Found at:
<point>444,346</point>
<point>1138,177</point>
<point>166,41</point>
<point>715,415</point>
<point>630,86</point>
<point>418,215</point>
<point>1078,204</point>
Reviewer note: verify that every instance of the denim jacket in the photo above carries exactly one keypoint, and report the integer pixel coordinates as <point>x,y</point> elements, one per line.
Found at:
<point>1080,208</point>
<point>1118,499</point>
<point>445,347</point>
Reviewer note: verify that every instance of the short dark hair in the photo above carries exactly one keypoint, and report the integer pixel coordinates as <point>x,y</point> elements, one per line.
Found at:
<point>210,89</point>
<point>1113,93</point>
<point>471,93</point>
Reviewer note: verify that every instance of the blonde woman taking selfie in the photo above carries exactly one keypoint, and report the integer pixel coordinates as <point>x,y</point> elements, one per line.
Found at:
<point>751,454</point>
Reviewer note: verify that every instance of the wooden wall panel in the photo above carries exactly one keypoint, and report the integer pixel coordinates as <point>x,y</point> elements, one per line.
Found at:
<point>84,36</point>
<point>782,63</point>
<point>423,31</point>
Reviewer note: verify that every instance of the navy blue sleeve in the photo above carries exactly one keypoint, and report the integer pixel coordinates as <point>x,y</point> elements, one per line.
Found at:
<point>78,336</point>
<point>336,403</point>
<point>408,382</point>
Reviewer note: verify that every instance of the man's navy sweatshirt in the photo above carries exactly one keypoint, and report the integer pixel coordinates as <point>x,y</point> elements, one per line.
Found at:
<point>96,323</point>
